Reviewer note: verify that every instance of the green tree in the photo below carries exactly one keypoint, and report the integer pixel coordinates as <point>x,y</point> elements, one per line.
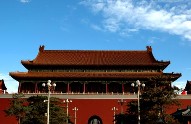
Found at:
<point>38,108</point>
<point>35,109</point>
<point>18,107</point>
<point>157,97</point>
<point>57,112</point>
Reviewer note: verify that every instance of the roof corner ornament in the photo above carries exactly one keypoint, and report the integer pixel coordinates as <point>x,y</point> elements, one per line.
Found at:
<point>41,48</point>
<point>149,49</point>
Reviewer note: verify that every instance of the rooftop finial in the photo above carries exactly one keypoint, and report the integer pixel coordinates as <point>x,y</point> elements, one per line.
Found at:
<point>41,48</point>
<point>149,49</point>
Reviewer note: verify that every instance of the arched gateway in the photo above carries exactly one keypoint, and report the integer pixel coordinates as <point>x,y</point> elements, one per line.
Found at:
<point>95,120</point>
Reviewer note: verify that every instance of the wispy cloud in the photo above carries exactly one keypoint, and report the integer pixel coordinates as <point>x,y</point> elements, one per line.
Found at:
<point>180,84</point>
<point>96,27</point>
<point>12,85</point>
<point>173,18</point>
<point>169,1</point>
<point>152,40</point>
<point>25,1</point>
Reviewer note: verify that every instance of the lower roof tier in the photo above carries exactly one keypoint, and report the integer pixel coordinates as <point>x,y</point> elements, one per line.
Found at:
<point>20,76</point>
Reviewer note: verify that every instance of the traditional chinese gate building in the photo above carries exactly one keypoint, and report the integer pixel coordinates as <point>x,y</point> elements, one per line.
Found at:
<point>95,80</point>
<point>2,87</point>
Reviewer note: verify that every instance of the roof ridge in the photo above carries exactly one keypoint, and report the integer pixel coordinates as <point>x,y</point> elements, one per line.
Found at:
<point>95,50</point>
<point>41,49</point>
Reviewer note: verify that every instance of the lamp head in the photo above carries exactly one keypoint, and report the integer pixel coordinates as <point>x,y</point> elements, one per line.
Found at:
<point>49,83</point>
<point>54,84</point>
<point>132,84</point>
<point>43,84</point>
<point>138,82</point>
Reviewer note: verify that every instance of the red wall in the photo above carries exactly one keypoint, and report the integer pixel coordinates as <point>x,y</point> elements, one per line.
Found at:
<point>103,109</point>
<point>4,104</point>
<point>90,107</point>
<point>184,104</point>
<point>86,109</point>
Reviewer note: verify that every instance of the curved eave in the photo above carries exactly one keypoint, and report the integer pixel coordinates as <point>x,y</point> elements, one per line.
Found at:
<point>27,64</point>
<point>30,65</point>
<point>81,75</point>
<point>163,64</point>
<point>173,76</point>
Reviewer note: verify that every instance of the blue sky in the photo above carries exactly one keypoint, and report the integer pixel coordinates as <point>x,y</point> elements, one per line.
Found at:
<point>95,25</point>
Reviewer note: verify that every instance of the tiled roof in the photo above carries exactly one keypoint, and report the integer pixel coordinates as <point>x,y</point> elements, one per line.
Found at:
<point>188,87</point>
<point>88,75</point>
<point>186,112</point>
<point>2,85</point>
<point>182,112</point>
<point>94,57</point>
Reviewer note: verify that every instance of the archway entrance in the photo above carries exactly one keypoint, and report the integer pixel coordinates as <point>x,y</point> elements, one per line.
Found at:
<point>95,120</point>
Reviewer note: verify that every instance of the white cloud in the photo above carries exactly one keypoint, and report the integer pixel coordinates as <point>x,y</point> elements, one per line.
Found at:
<point>11,84</point>
<point>122,14</point>
<point>180,84</point>
<point>25,1</point>
<point>152,40</point>
<point>96,27</point>
<point>98,6</point>
<point>168,1</point>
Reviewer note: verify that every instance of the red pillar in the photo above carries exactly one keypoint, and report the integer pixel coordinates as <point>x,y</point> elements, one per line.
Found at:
<point>122,87</point>
<point>84,89</point>
<point>19,88</point>
<point>36,88</point>
<point>68,89</point>
<point>106,87</point>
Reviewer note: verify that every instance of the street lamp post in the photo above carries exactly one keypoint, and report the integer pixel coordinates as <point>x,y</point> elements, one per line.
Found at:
<point>121,102</point>
<point>114,109</point>
<point>75,109</point>
<point>138,85</point>
<point>67,101</point>
<point>49,85</point>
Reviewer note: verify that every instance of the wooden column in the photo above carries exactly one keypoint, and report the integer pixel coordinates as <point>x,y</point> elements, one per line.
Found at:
<point>36,88</point>
<point>122,87</point>
<point>106,87</point>
<point>19,88</point>
<point>84,88</point>
<point>68,87</point>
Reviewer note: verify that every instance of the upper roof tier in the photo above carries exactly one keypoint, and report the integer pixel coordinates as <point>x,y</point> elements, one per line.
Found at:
<point>94,58</point>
